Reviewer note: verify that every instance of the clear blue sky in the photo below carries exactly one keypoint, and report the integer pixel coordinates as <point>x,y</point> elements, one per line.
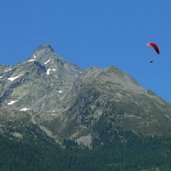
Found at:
<point>93,33</point>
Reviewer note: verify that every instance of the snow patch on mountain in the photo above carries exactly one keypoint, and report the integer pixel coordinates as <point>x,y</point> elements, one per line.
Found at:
<point>47,61</point>
<point>14,78</point>
<point>12,102</point>
<point>34,56</point>
<point>31,60</point>
<point>7,70</point>
<point>49,70</point>
<point>25,109</point>
<point>60,91</point>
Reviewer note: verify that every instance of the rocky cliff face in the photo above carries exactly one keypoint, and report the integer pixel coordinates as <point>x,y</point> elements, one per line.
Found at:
<point>67,102</point>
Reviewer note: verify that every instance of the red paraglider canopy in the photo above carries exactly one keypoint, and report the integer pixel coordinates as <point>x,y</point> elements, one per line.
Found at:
<point>154,45</point>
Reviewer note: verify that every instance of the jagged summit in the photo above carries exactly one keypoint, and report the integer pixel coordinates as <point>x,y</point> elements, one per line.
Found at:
<point>46,47</point>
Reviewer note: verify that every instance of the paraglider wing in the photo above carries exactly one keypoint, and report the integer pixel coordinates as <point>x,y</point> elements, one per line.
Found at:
<point>154,45</point>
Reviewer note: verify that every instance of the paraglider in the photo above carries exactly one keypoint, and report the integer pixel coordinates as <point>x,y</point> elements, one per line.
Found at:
<point>155,47</point>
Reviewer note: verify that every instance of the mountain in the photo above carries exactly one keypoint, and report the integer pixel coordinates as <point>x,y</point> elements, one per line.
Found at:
<point>48,101</point>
